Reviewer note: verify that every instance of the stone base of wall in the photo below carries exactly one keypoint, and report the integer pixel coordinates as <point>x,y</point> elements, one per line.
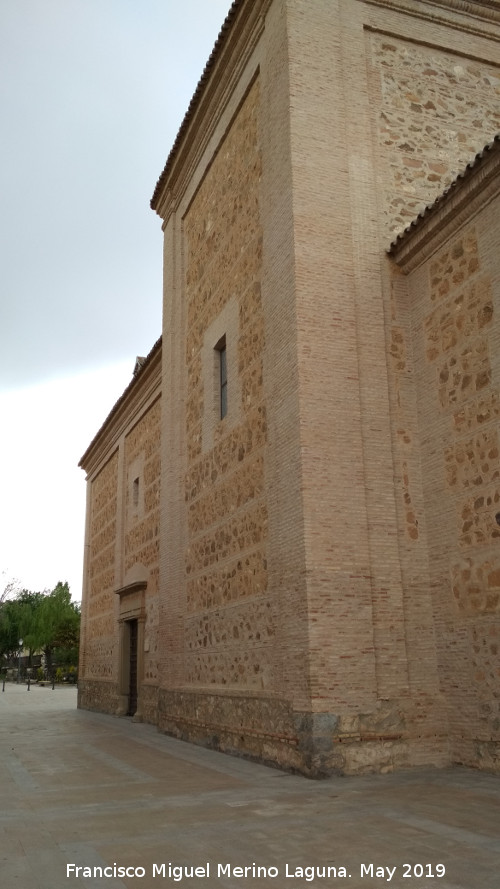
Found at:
<point>314,744</point>
<point>104,698</point>
<point>478,754</point>
<point>150,704</point>
<point>268,730</point>
<point>256,728</point>
<point>98,695</point>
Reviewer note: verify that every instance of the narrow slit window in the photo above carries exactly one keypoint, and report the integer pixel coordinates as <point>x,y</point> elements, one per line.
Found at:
<point>221,349</point>
<point>135,493</point>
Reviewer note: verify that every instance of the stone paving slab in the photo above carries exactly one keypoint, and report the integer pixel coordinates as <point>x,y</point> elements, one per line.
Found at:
<point>86,790</point>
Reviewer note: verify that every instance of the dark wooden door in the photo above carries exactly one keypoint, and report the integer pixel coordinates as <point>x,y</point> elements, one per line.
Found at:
<point>132,691</point>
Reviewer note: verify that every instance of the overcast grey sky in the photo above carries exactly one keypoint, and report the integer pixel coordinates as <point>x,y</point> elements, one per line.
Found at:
<point>92,93</point>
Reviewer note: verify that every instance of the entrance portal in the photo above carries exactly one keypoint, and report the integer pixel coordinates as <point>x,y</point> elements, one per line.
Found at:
<point>132,619</point>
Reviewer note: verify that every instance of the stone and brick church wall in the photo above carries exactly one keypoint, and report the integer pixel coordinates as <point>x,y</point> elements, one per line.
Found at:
<point>225,490</point>
<point>374,89</point>
<point>428,122</point>
<point>463,339</point>
<point>122,539</point>
<point>427,125</point>
<point>141,536</point>
<point>97,685</point>
<point>229,624</point>
<point>363,97</point>
<point>322,580</point>
<point>455,303</point>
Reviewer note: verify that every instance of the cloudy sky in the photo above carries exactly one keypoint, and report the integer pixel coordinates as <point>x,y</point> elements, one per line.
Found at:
<point>92,93</point>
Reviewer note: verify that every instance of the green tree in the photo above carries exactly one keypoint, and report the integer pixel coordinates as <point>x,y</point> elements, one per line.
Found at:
<point>56,623</point>
<point>8,624</point>
<point>9,629</point>
<point>15,621</point>
<point>27,606</point>
<point>45,622</point>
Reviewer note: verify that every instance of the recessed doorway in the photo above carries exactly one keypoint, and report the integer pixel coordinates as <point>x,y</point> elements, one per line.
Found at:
<point>132,690</point>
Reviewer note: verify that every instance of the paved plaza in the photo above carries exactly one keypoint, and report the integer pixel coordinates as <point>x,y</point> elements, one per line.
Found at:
<point>87,798</point>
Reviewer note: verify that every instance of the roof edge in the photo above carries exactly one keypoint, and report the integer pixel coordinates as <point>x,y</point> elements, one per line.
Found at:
<point>196,98</point>
<point>137,377</point>
<point>457,200</point>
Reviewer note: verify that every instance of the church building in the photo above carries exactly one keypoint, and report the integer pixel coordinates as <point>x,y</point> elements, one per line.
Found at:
<point>292,546</point>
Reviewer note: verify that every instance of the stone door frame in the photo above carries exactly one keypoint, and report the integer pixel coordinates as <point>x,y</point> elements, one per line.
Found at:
<point>132,607</point>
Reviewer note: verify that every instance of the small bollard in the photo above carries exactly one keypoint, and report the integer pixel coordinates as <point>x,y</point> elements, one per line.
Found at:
<point>53,682</point>
<point>29,680</point>
<point>3,686</point>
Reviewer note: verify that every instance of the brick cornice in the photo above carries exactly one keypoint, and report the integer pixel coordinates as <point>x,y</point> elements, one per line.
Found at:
<point>142,391</point>
<point>488,10</point>
<point>480,19</point>
<point>237,40</point>
<point>467,195</point>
